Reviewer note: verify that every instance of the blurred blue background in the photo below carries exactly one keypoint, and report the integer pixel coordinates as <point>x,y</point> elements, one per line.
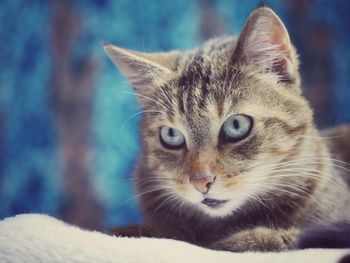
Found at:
<point>67,147</point>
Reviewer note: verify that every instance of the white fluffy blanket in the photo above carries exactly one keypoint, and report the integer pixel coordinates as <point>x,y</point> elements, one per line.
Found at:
<point>40,238</point>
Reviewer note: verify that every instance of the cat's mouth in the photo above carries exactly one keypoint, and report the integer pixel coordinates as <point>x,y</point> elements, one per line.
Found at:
<point>213,203</point>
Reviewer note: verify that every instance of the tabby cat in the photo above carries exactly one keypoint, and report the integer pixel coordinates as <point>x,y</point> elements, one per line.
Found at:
<point>231,159</point>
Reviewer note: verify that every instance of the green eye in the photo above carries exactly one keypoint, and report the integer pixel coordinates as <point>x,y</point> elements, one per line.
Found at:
<point>236,128</point>
<point>171,138</point>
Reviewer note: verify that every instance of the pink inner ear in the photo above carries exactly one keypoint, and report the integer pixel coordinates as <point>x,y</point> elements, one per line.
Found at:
<point>269,47</point>
<point>281,68</point>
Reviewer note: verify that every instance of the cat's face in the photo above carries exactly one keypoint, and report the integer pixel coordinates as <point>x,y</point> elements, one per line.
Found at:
<point>227,143</point>
<point>219,120</point>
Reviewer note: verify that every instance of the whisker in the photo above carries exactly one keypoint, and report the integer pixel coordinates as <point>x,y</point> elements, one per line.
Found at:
<point>141,194</point>
<point>138,113</point>
<point>288,192</point>
<point>260,201</point>
<point>161,196</point>
<point>299,189</point>
<point>172,208</point>
<point>167,200</point>
<point>146,97</point>
<point>304,161</point>
<point>153,179</point>
<point>303,173</point>
<point>322,137</point>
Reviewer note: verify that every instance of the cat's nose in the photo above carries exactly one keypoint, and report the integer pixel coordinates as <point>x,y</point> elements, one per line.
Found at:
<point>202,181</point>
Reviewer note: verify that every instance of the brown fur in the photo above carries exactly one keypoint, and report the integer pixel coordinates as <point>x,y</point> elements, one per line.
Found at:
<point>277,180</point>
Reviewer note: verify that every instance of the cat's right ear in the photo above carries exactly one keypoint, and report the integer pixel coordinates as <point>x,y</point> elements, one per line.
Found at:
<point>265,43</point>
<point>146,72</point>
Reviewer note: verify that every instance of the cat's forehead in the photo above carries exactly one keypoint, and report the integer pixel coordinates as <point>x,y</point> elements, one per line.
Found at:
<point>204,90</point>
<point>203,80</point>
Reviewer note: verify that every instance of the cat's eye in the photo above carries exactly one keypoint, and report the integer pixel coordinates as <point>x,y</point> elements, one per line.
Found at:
<point>236,127</point>
<point>171,138</point>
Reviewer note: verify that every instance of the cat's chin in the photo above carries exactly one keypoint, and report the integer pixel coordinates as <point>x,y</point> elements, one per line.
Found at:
<point>218,205</point>
<point>223,209</point>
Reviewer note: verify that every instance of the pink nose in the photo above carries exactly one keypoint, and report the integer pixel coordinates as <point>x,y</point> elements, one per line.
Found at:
<point>202,181</point>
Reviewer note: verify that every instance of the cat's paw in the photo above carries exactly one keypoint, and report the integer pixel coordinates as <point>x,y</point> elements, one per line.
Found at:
<point>259,239</point>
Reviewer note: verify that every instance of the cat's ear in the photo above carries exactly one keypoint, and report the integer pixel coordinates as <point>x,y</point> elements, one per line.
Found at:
<point>145,71</point>
<point>264,42</point>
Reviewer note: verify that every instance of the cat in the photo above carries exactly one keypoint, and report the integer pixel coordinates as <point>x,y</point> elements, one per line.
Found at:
<point>231,159</point>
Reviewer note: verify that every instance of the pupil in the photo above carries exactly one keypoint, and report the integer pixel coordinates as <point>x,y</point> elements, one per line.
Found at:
<point>236,124</point>
<point>171,132</point>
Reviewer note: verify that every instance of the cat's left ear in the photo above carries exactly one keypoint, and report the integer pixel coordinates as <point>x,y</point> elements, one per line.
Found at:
<point>145,71</point>
<point>264,42</point>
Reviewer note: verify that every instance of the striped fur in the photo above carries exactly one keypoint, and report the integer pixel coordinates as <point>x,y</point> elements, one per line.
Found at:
<point>278,180</point>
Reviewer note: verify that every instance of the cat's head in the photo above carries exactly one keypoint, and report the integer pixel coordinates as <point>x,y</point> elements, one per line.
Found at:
<point>219,120</point>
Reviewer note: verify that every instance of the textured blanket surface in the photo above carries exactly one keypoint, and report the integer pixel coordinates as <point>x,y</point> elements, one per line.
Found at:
<point>40,238</point>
